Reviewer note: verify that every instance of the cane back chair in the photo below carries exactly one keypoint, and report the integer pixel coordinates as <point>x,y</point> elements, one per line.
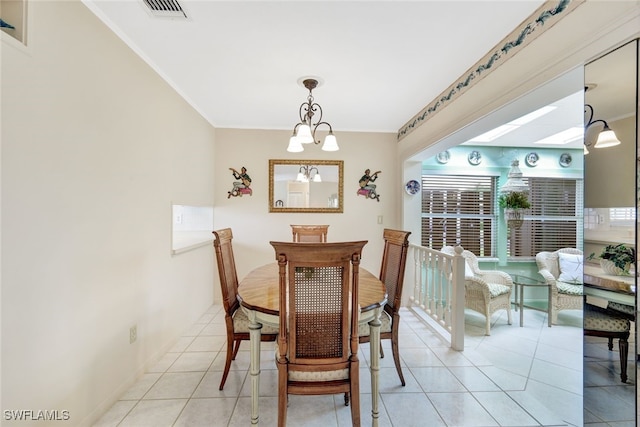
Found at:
<point>317,350</point>
<point>394,257</point>
<point>236,320</point>
<point>309,233</point>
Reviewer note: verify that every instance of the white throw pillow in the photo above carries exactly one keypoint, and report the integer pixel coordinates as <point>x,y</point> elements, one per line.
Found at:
<point>570,268</point>
<point>468,272</point>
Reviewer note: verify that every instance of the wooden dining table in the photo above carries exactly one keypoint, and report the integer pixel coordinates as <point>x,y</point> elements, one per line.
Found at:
<point>620,289</point>
<point>259,296</point>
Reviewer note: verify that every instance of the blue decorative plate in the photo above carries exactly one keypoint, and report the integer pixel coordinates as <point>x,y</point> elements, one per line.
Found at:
<point>412,187</point>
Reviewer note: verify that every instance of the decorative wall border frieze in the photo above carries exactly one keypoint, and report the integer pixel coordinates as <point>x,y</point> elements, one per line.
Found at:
<point>538,22</point>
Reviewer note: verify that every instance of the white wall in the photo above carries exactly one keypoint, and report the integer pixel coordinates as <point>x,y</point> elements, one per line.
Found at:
<point>248,216</point>
<point>95,149</point>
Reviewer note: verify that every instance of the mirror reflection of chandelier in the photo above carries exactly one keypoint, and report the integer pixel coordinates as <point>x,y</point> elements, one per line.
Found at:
<point>304,132</point>
<point>308,173</point>
<point>597,132</point>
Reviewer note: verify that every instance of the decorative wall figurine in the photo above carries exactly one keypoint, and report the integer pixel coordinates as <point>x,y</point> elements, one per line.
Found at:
<point>243,186</point>
<point>367,189</point>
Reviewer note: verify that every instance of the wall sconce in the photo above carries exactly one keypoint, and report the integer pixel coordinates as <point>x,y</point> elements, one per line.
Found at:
<point>597,132</point>
<point>306,174</point>
<point>304,132</point>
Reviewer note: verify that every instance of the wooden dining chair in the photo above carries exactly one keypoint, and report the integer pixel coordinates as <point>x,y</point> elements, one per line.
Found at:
<point>235,319</point>
<point>310,233</point>
<point>394,258</point>
<point>317,349</point>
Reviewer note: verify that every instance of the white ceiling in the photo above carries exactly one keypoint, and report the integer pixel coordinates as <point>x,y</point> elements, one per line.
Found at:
<point>238,62</point>
<point>380,62</point>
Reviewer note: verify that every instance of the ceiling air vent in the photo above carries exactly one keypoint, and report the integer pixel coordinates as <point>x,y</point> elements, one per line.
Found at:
<point>165,8</point>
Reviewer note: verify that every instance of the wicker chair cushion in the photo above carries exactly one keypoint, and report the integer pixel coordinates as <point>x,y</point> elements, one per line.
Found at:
<point>569,288</point>
<point>241,323</point>
<point>385,319</point>
<point>571,267</point>
<point>497,289</point>
<point>597,319</point>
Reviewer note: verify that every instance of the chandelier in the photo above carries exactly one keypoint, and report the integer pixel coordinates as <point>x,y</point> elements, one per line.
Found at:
<point>515,183</point>
<point>305,131</point>
<point>306,174</point>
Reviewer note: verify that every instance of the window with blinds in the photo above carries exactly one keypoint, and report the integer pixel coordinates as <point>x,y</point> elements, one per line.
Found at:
<point>459,210</point>
<point>622,217</point>
<point>554,220</point>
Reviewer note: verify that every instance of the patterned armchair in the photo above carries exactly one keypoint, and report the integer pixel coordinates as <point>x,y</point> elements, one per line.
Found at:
<point>562,270</point>
<point>486,291</point>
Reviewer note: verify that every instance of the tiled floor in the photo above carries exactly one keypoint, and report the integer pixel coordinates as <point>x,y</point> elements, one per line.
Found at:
<point>527,376</point>
<point>608,401</point>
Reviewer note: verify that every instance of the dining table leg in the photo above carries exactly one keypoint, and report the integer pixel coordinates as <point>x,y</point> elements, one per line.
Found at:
<point>374,348</point>
<point>254,369</point>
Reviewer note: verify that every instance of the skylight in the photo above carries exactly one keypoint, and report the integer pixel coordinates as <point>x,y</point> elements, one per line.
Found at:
<point>565,137</point>
<point>512,125</point>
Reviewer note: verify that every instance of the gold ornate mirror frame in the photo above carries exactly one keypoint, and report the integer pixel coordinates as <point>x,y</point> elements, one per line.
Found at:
<point>287,194</point>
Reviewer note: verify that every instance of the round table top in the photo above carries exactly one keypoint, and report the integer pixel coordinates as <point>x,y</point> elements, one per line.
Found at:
<point>260,290</point>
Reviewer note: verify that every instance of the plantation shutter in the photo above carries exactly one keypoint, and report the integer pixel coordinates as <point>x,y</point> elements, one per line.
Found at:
<point>459,210</point>
<point>555,219</point>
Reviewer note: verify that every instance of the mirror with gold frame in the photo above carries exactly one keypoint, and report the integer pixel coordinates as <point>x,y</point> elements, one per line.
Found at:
<point>314,186</point>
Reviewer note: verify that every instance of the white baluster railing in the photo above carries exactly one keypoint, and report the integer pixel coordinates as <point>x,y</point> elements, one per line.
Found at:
<point>438,291</point>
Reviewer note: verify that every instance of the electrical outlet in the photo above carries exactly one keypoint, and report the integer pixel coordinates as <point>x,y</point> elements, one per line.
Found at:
<point>133,334</point>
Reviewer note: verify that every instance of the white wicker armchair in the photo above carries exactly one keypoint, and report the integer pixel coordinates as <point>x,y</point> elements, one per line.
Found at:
<point>564,295</point>
<point>486,291</point>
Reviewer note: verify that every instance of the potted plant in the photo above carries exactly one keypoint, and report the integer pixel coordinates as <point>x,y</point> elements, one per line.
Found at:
<point>514,202</point>
<point>616,259</point>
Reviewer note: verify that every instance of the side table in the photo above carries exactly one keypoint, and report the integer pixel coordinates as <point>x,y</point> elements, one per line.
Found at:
<point>520,282</point>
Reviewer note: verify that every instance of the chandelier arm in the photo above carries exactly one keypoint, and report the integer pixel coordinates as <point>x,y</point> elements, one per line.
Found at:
<point>305,113</point>
<point>606,125</point>
<point>590,110</point>
<point>295,128</point>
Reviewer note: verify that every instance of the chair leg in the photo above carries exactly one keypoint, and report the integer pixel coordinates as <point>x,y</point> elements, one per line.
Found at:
<point>346,399</point>
<point>227,363</point>
<point>283,396</point>
<point>355,400</point>
<point>623,345</point>
<point>355,412</point>
<point>610,344</point>
<point>381,351</point>
<point>236,348</point>
<point>488,324</point>
<point>394,348</point>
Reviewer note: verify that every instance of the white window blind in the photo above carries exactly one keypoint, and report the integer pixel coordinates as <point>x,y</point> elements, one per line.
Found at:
<point>554,220</point>
<point>622,217</point>
<point>459,210</point>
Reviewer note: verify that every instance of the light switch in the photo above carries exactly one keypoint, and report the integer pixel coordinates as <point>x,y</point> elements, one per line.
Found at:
<point>379,219</point>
